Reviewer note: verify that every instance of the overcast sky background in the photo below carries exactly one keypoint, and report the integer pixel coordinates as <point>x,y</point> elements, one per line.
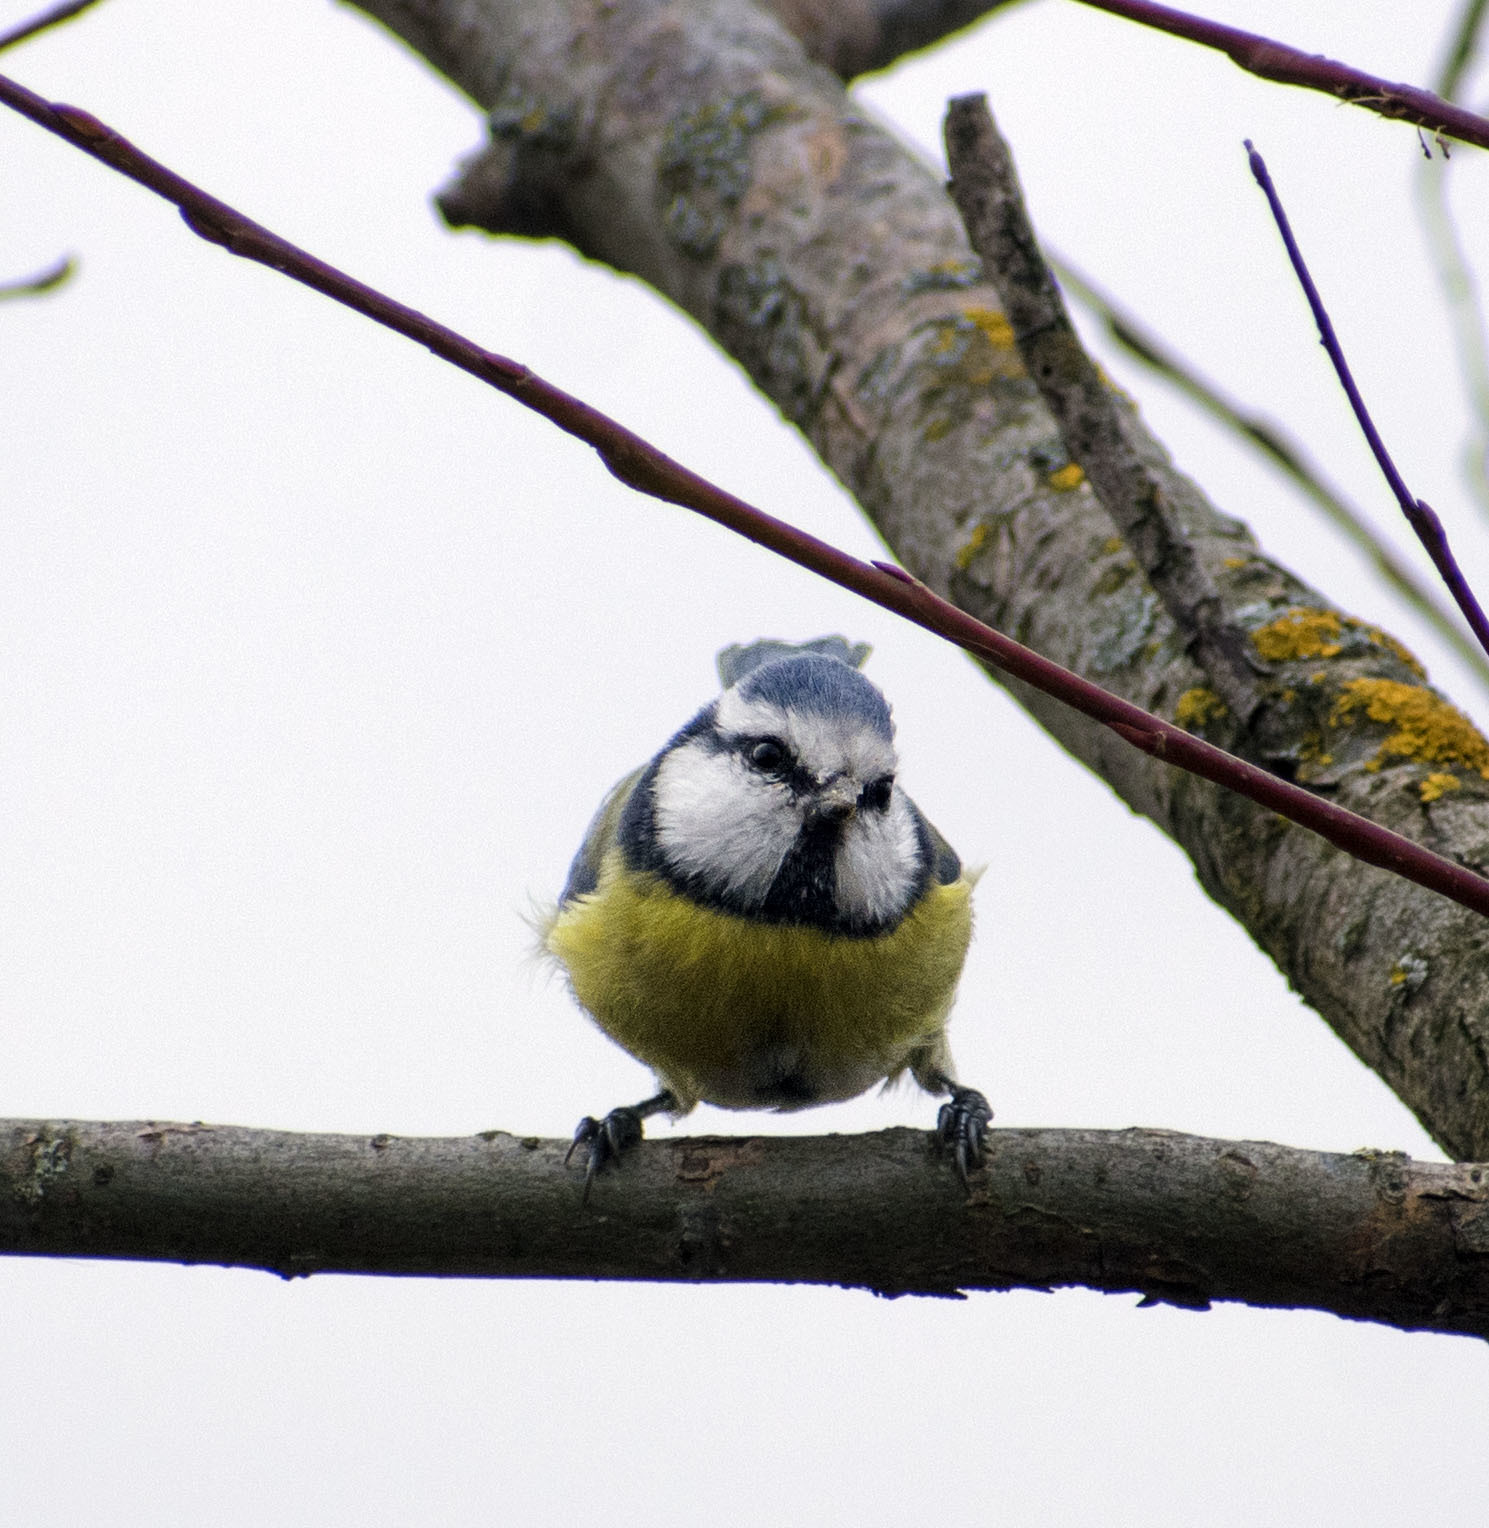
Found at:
<point>318,656</point>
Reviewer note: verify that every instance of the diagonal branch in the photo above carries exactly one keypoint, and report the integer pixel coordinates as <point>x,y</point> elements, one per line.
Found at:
<point>1285,65</point>
<point>1178,1219</point>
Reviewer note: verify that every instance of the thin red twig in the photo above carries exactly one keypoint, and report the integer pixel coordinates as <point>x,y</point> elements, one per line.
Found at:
<point>641,466</point>
<point>1278,62</point>
<point>1420,515</point>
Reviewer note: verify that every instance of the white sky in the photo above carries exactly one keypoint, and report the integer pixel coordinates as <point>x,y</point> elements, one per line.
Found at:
<point>318,655</point>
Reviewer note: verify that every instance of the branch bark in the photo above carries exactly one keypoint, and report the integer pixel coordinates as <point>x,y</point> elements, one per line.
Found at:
<point>1178,1219</point>
<point>696,146</point>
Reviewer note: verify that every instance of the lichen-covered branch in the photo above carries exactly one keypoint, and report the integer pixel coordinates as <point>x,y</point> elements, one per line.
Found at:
<point>1176,1218</point>
<point>696,146</point>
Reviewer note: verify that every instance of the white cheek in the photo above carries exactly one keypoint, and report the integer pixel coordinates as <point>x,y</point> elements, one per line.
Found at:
<point>719,821</point>
<point>878,864</point>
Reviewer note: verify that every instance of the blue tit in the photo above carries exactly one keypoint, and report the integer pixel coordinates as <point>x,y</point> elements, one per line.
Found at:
<point>762,916</point>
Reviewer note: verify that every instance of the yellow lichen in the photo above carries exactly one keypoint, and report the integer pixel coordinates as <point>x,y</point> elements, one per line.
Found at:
<point>1397,976</point>
<point>938,429</point>
<point>1066,478</point>
<point>1197,707</point>
<point>971,548</point>
<point>1299,634</point>
<point>993,324</point>
<point>1436,785</point>
<point>1404,654</point>
<point>1236,562</point>
<point>1112,545</point>
<point>1424,728</point>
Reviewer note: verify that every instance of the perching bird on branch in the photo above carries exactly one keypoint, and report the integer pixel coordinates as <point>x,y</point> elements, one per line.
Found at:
<point>761,914</point>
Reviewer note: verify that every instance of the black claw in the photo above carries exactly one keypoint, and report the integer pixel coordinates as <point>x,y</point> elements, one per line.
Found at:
<point>962,1125</point>
<point>606,1139</point>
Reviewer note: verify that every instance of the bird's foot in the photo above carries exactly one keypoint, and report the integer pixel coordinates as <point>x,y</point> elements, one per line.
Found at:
<point>606,1139</point>
<point>962,1125</point>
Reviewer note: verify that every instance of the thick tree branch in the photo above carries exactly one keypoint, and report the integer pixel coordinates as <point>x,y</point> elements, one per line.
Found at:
<point>1177,1218</point>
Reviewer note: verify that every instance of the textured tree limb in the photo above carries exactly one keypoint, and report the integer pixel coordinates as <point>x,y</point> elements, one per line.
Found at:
<point>1276,443</point>
<point>985,187</point>
<point>696,147</point>
<point>1179,1219</point>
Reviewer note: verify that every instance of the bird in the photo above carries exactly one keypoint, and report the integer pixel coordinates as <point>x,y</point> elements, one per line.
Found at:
<point>762,916</point>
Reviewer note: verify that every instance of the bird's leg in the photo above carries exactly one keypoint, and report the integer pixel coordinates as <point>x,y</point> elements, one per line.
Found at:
<point>607,1138</point>
<point>962,1125</point>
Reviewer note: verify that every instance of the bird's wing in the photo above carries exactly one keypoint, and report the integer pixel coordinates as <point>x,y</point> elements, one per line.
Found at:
<point>584,873</point>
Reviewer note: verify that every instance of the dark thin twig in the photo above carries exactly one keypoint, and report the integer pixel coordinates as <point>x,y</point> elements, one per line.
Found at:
<point>1291,66</point>
<point>1420,515</point>
<point>641,466</point>
<point>48,18</point>
<point>985,187</point>
<point>44,281</point>
<point>1289,455</point>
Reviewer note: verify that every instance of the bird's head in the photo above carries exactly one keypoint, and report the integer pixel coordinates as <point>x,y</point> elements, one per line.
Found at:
<point>778,801</point>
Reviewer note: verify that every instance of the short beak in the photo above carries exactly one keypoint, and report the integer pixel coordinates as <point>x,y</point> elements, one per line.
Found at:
<point>833,804</point>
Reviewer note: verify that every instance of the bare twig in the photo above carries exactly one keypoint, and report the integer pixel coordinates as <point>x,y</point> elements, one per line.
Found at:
<point>1272,439</point>
<point>53,16</point>
<point>1455,276</point>
<point>1420,515</point>
<point>984,185</point>
<point>643,467</point>
<point>1278,62</point>
<point>48,280</point>
<point>1179,1219</point>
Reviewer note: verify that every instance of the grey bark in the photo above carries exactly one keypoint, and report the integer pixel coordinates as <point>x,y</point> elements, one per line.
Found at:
<point>695,145</point>
<point>1176,1218</point>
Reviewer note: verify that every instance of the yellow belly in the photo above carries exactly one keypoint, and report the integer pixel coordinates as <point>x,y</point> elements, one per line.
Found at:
<point>753,1015</point>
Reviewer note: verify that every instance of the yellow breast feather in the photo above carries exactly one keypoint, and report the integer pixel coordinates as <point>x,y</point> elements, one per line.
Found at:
<point>750,1014</point>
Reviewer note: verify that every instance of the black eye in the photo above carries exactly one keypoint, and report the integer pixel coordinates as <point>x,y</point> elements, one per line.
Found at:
<point>878,793</point>
<point>768,755</point>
